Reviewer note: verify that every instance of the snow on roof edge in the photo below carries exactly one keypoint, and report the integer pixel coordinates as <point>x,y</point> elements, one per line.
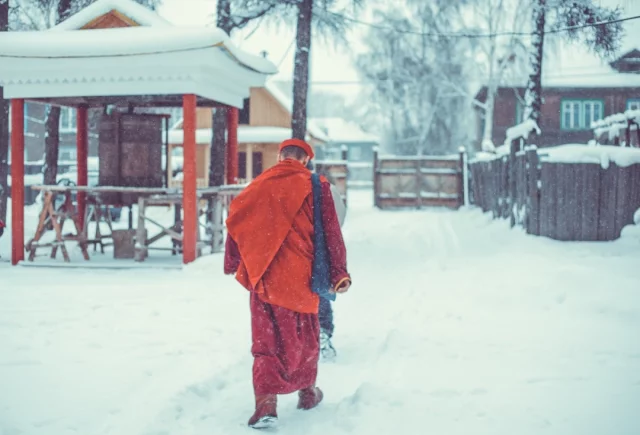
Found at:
<point>132,10</point>
<point>141,40</point>
<point>246,134</point>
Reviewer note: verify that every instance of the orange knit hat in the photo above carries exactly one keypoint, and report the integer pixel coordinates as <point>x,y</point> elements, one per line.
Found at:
<point>297,143</point>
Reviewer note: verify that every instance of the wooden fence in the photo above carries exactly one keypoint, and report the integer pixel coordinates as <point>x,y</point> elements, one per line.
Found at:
<point>563,201</point>
<point>415,182</point>
<point>337,172</point>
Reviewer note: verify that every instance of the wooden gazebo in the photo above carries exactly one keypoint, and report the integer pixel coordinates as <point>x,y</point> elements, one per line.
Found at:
<point>125,67</point>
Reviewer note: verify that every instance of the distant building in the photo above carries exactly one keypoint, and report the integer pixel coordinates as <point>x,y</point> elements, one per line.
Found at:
<point>570,104</point>
<point>264,122</point>
<point>359,146</point>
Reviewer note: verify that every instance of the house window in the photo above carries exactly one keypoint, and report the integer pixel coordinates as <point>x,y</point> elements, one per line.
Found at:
<point>579,114</point>
<point>633,104</point>
<point>355,153</point>
<point>26,116</point>
<point>244,113</point>
<point>67,119</point>
<point>257,164</point>
<point>242,165</point>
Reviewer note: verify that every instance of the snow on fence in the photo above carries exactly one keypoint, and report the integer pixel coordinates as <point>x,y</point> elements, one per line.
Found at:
<point>415,182</point>
<point>610,129</point>
<point>570,192</point>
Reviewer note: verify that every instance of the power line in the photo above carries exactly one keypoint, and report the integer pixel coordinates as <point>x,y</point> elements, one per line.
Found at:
<point>481,35</point>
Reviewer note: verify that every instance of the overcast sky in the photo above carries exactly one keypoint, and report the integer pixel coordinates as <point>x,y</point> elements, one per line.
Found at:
<point>331,64</point>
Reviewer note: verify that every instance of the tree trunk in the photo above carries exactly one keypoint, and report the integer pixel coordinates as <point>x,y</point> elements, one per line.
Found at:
<point>52,123</point>
<point>533,95</point>
<point>218,147</point>
<point>51,145</point>
<point>301,69</point>
<point>64,10</point>
<point>4,125</point>
<point>487,134</point>
<point>219,115</point>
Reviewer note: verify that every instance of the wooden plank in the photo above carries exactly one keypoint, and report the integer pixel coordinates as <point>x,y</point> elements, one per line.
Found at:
<point>561,202</point>
<point>548,202</point>
<point>590,186</point>
<point>577,199</point>
<point>622,201</point>
<point>606,217</point>
<point>533,200</point>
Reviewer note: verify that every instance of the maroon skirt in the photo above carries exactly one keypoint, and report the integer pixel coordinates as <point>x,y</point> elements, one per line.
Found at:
<point>285,348</point>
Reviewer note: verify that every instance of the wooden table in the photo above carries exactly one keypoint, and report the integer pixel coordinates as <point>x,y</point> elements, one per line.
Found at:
<point>213,200</point>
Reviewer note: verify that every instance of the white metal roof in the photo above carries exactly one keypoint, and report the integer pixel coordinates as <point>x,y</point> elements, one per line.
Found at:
<point>132,10</point>
<point>129,61</point>
<point>246,134</point>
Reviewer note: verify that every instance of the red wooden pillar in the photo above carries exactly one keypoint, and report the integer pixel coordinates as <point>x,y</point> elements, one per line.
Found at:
<point>232,145</point>
<point>82,145</point>
<point>189,186</point>
<point>17,181</point>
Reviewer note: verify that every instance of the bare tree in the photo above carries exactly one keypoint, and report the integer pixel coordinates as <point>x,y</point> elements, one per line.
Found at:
<point>228,21</point>
<point>586,21</point>
<point>501,54</point>
<point>405,63</point>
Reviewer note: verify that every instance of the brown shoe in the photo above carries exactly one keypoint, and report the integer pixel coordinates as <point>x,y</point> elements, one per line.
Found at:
<point>309,398</point>
<point>266,415</point>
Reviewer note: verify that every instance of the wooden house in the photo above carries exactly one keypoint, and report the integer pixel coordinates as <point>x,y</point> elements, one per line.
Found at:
<point>570,104</point>
<point>264,122</point>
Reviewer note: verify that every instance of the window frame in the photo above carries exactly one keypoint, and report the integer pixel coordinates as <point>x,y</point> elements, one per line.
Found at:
<point>634,101</point>
<point>580,117</point>
<point>72,126</point>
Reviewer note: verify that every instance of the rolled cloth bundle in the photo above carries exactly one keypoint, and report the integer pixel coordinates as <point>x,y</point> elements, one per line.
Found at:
<point>341,208</point>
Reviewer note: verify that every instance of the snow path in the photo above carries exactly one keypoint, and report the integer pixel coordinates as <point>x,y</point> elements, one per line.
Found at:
<point>455,325</point>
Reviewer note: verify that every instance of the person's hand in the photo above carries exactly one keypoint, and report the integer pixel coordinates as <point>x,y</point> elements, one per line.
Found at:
<point>344,287</point>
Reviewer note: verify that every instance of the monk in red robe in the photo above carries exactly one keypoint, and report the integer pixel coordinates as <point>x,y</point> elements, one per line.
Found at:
<point>270,249</point>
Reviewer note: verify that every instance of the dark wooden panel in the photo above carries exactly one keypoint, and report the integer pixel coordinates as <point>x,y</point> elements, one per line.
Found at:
<point>607,212</point>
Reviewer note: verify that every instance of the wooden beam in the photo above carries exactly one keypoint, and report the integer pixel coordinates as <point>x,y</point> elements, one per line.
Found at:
<point>17,181</point>
<point>141,101</point>
<point>232,145</point>
<point>82,145</point>
<point>189,184</point>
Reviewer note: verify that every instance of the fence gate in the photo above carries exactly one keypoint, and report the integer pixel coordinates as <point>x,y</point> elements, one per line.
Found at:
<point>337,172</point>
<point>401,182</point>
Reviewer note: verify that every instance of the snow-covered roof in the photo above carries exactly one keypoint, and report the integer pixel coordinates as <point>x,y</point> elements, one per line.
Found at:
<point>246,134</point>
<point>342,131</point>
<point>129,61</point>
<point>134,11</point>
<point>287,102</point>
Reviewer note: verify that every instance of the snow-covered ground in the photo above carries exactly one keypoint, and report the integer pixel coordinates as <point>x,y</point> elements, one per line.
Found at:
<point>455,325</point>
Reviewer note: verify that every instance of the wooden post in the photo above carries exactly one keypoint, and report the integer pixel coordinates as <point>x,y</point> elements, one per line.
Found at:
<point>82,145</point>
<point>418,191</point>
<point>248,175</point>
<point>512,181</point>
<point>189,185</point>
<point>375,176</point>
<point>533,194</point>
<point>17,181</point>
<point>462,181</point>
<point>232,145</point>
<point>344,150</point>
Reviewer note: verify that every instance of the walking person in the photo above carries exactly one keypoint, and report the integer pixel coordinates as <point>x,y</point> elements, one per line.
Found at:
<point>325,311</point>
<point>270,248</point>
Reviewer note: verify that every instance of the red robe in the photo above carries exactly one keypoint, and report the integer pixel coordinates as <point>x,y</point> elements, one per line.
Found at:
<point>270,248</point>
